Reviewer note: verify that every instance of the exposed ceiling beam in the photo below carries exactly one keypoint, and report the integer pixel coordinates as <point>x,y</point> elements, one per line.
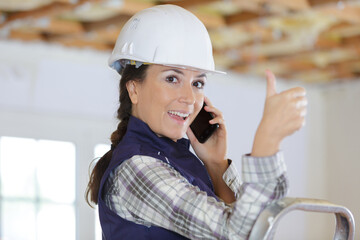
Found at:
<point>187,3</point>
<point>65,27</point>
<point>131,7</point>
<point>317,57</point>
<point>247,42</point>
<point>241,17</point>
<point>50,10</point>
<point>56,26</point>
<point>21,5</point>
<point>116,21</point>
<point>346,70</point>
<point>211,21</point>
<point>274,49</point>
<point>64,1</point>
<point>346,13</point>
<point>2,17</point>
<point>80,43</point>
<point>350,68</point>
<point>328,40</point>
<point>247,5</point>
<point>344,29</point>
<point>305,72</point>
<point>313,3</point>
<point>352,41</point>
<point>296,5</point>
<point>107,36</point>
<point>26,36</point>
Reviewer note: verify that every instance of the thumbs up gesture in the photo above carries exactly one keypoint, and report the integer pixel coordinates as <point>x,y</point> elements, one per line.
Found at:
<point>284,113</point>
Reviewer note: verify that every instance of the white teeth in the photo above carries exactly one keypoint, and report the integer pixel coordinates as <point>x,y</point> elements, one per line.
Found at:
<point>183,115</point>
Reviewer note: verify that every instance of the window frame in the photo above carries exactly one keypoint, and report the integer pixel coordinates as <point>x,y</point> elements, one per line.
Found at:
<point>85,133</point>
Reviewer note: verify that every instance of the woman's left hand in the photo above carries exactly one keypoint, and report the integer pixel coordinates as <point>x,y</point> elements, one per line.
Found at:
<point>213,151</point>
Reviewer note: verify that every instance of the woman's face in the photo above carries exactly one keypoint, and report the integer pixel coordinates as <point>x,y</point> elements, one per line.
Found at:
<point>168,99</point>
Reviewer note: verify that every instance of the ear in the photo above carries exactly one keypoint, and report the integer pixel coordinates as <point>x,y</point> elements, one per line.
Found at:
<point>132,88</point>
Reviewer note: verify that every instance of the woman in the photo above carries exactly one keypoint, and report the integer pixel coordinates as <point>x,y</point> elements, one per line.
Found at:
<point>149,185</point>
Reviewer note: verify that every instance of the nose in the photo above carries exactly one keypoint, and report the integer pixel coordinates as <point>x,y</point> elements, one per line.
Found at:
<point>187,94</point>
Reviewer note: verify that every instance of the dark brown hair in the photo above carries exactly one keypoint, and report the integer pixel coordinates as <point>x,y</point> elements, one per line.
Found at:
<point>129,73</point>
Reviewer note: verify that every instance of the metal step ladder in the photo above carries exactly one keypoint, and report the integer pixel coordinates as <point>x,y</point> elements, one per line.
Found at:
<point>265,226</point>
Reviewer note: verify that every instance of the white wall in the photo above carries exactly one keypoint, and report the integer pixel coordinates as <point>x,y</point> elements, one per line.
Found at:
<point>343,146</point>
<point>55,83</point>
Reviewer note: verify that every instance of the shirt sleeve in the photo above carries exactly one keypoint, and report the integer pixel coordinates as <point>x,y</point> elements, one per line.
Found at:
<point>148,191</point>
<point>232,179</point>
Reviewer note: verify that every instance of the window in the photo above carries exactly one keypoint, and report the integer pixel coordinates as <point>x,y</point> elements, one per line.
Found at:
<point>37,189</point>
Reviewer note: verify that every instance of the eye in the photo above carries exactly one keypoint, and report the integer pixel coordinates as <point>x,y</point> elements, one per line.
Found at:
<point>172,79</point>
<point>199,84</point>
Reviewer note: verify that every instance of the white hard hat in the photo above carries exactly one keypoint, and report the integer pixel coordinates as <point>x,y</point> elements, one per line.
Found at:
<point>166,35</point>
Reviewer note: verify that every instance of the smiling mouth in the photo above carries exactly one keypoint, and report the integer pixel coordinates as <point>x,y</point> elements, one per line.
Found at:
<point>183,116</point>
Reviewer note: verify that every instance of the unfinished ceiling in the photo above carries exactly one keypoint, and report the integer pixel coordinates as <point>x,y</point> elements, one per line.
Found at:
<point>305,40</point>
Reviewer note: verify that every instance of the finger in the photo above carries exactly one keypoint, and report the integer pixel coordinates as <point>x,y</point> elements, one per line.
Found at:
<point>300,112</point>
<point>207,101</point>
<point>300,93</point>
<point>217,119</point>
<point>213,110</point>
<point>271,84</point>
<point>301,102</point>
<point>296,92</point>
<point>298,102</point>
<point>297,108</point>
<point>218,115</point>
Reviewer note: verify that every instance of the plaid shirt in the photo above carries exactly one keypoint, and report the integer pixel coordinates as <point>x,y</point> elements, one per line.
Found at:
<point>148,191</point>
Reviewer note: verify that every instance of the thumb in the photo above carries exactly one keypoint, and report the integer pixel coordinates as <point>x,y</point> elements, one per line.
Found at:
<point>271,84</point>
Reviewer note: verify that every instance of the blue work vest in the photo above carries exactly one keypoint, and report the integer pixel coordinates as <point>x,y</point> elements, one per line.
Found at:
<point>141,140</point>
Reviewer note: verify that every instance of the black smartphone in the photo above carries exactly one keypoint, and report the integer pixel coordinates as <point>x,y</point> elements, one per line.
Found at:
<point>201,127</point>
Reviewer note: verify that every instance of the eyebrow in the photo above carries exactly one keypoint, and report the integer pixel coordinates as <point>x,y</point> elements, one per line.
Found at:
<point>180,72</point>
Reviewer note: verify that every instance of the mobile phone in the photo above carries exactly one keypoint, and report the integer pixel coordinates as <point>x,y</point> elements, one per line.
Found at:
<point>201,127</point>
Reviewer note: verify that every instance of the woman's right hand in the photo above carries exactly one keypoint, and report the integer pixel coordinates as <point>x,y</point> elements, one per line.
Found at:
<point>284,113</point>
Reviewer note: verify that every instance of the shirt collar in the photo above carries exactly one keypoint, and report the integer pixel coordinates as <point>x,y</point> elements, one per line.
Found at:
<point>139,131</point>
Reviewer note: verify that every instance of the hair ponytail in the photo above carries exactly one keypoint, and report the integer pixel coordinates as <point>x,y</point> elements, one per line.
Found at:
<point>123,114</point>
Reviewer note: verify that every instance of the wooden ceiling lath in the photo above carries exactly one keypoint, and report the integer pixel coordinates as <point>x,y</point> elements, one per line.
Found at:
<point>294,38</point>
